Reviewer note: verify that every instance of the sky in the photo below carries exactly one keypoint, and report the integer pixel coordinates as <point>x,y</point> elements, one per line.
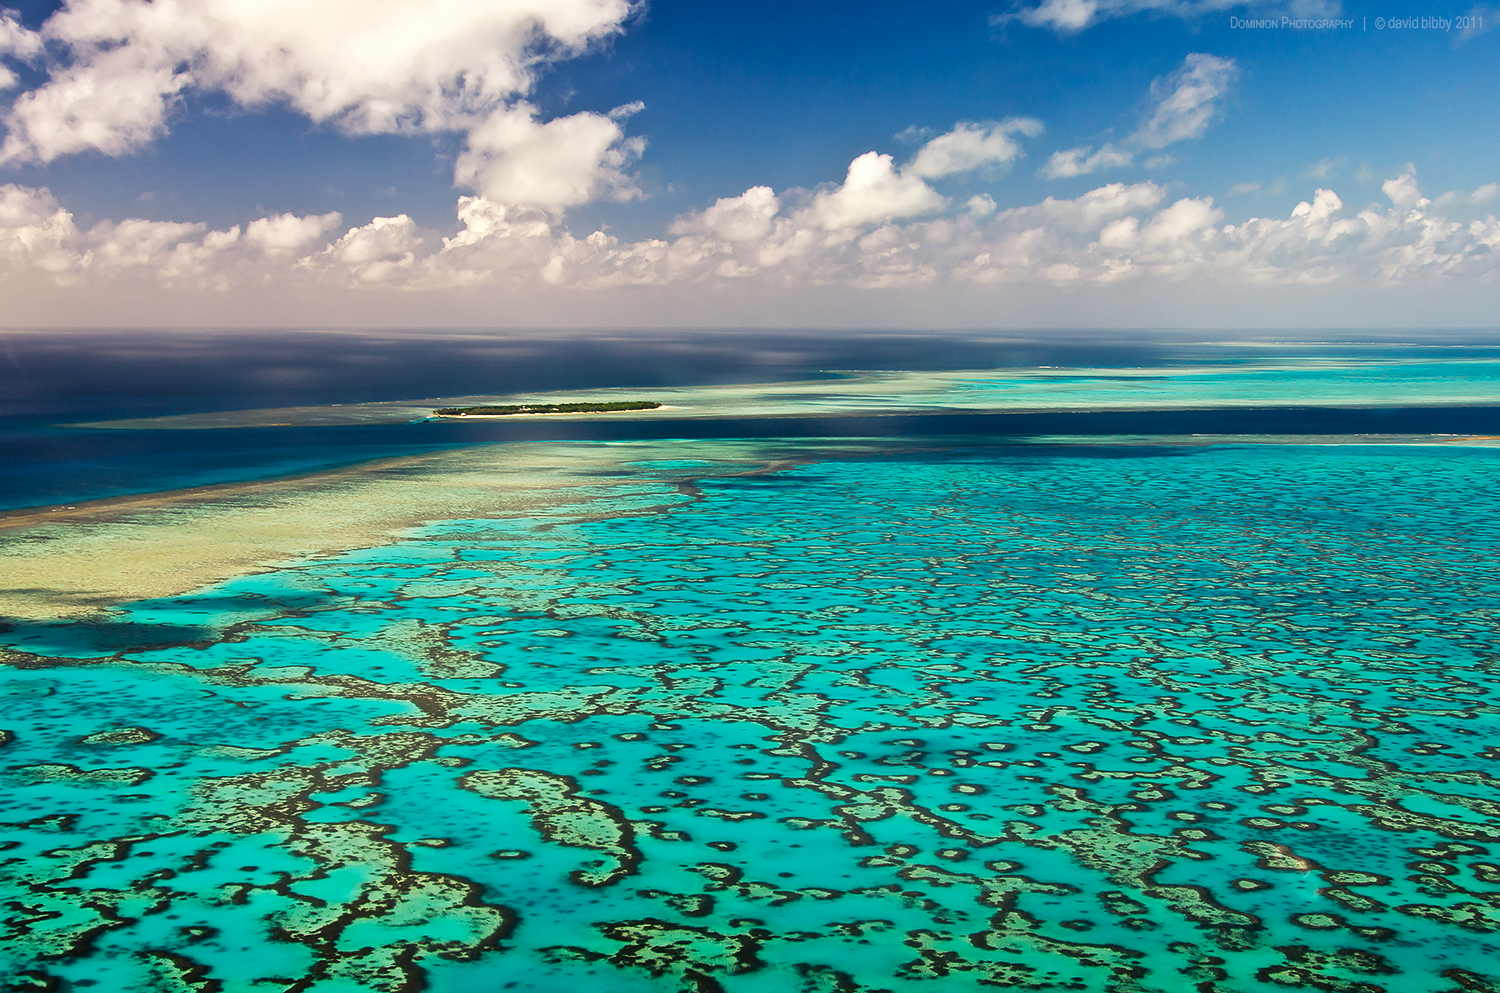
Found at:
<point>614,163</point>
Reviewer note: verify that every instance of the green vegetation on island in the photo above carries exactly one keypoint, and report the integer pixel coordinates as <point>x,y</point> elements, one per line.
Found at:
<point>548,408</point>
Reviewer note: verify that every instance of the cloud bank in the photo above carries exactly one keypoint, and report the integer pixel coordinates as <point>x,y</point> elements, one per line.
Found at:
<point>870,232</point>
<point>116,69</point>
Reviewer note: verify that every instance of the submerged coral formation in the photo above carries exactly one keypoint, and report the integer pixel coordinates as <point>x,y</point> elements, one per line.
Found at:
<point>1069,718</point>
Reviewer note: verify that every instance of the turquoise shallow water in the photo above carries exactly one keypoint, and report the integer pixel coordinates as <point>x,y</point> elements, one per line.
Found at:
<point>1075,717</point>
<point>1220,389</point>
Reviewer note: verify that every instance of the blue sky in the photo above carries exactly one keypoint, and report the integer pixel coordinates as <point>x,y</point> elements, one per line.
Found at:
<point>1172,101</point>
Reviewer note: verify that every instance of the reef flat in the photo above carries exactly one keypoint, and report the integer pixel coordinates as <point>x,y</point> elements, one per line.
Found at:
<point>782,716</point>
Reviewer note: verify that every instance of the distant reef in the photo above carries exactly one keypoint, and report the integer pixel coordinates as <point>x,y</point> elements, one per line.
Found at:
<point>547,408</point>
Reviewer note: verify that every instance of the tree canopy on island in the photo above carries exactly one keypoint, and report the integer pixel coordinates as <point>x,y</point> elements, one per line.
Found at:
<point>548,408</point>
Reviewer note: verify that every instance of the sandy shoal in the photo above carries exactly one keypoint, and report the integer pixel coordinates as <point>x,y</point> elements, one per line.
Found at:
<point>81,560</point>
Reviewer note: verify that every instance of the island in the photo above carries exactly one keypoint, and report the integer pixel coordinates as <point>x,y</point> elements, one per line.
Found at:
<point>547,408</point>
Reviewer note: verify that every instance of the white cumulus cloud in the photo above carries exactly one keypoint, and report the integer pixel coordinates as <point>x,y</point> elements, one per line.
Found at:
<point>981,205</point>
<point>38,235</point>
<point>1083,161</point>
<point>365,66</point>
<point>971,146</point>
<point>1187,101</point>
<point>514,158</point>
<point>121,68</point>
<point>16,39</point>
<point>873,192</point>
<point>1403,189</point>
<point>747,217</point>
<point>1184,104</point>
<point>286,234</point>
<point>18,42</point>
<point>36,232</point>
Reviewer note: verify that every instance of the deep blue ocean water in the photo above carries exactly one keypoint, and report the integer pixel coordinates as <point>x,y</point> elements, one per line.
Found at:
<point>964,712</point>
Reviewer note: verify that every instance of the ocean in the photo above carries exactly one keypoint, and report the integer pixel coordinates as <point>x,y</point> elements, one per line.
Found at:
<point>975,664</point>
